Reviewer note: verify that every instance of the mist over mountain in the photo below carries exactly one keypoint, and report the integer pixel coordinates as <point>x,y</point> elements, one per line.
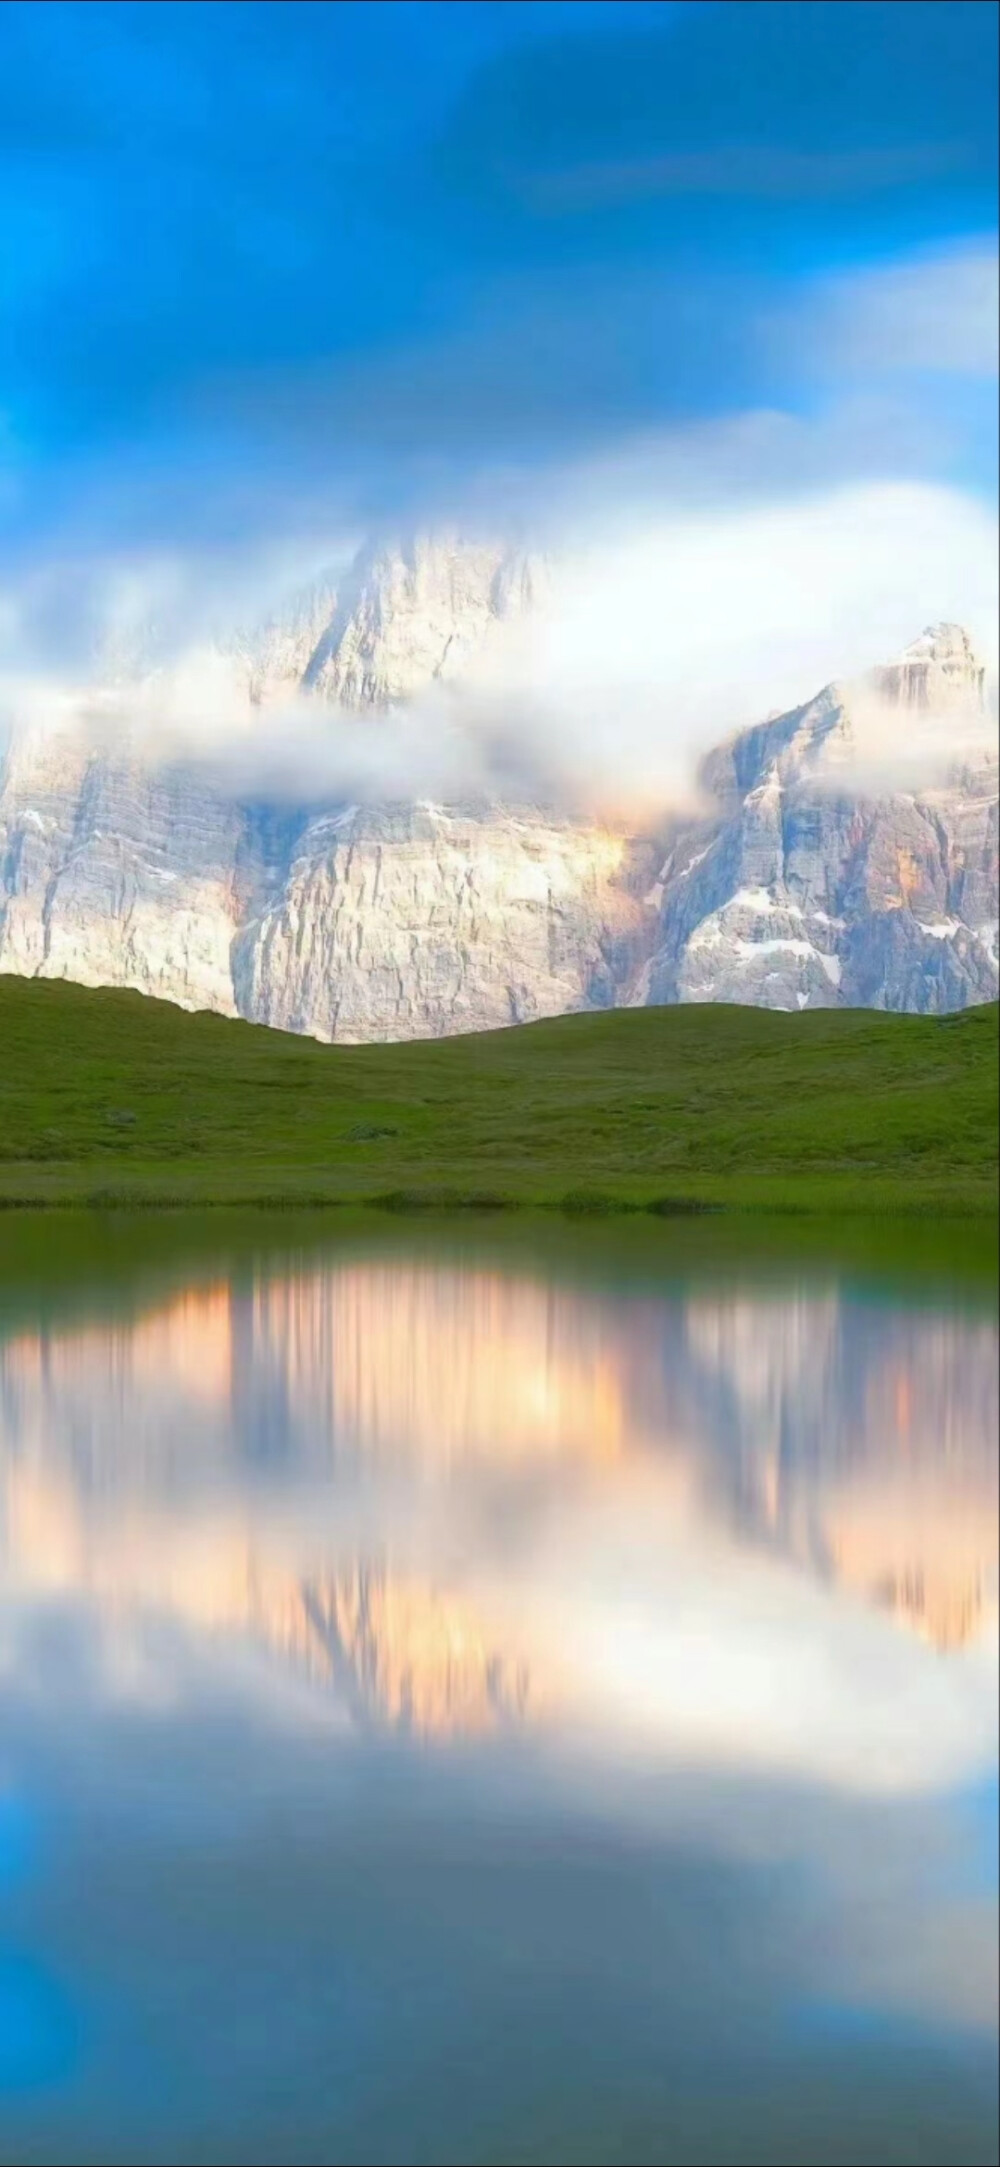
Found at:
<point>428,797</point>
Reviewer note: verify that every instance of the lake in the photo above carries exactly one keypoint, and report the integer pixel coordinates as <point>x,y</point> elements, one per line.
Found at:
<point>495,1693</point>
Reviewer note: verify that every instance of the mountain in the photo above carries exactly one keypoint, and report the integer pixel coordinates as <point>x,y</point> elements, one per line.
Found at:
<point>810,879</point>
<point>400,617</point>
<point>813,886</point>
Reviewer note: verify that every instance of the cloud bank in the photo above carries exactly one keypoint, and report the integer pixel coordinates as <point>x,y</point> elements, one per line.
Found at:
<point>661,634</point>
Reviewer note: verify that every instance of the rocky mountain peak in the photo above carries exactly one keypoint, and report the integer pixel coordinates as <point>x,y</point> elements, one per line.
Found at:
<point>406,610</point>
<point>415,609</point>
<point>939,670</point>
<point>813,876</point>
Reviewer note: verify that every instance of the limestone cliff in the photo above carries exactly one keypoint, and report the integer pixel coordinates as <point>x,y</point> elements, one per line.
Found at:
<point>809,881</point>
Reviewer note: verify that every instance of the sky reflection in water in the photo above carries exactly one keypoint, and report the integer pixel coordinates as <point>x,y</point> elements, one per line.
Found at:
<point>452,1712</point>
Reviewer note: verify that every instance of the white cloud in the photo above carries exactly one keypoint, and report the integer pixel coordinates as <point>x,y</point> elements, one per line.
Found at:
<point>685,629</point>
<point>931,312</point>
<point>670,624</point>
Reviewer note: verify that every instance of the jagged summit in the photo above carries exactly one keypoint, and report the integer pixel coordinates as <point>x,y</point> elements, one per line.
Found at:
<point>939,670</point>
<point>942,643</point>
<point>414,610</point>
<point>938,675</point>
<point>403,612</point>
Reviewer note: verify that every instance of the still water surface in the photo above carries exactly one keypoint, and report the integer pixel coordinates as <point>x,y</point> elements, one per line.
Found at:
<point>456,1706</point>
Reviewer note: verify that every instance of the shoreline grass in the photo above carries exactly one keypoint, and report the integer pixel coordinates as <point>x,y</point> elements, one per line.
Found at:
<point>884,1202</point>
<point>77,1259</point>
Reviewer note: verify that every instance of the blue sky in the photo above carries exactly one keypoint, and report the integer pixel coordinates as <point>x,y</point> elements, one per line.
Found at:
<point>268,264</point>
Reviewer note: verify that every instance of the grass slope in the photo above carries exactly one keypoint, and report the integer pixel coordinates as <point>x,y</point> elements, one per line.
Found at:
<point>107,1097</point>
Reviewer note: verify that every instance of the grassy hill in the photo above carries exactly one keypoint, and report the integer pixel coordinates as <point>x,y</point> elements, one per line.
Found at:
<point>107,1097</point>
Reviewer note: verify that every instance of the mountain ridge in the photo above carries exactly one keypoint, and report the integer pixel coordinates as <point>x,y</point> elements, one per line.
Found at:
<point>803,881</point>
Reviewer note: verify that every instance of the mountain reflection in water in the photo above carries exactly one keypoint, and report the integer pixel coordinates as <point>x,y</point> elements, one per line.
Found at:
<point>423,1487</point>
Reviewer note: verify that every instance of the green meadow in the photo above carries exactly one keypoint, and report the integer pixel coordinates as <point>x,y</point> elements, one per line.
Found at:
<point>108,1098</point>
